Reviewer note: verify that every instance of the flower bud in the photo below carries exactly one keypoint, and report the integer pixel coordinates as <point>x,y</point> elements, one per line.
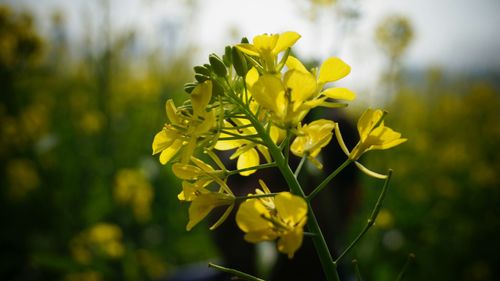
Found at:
<point>202,70</point>
<point>217,65</point>
<point>239,62</point>
<point>188,87</point>
<point>201,78</point>
<point>226,58</point>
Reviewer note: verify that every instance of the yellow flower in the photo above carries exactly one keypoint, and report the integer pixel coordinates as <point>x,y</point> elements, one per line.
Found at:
<point>196,178</point>
<point>267,47</point>
<point>282,217</point>
<point>333,69</point>
<point>186,127</point>
<point>133,188</point>
<point>312,138</point>
<point>290,98</point>
<point>194,189</point>
<point>247,151</point>
<point>373,134</point>
<point>102,239</point>
<point>204,203</point>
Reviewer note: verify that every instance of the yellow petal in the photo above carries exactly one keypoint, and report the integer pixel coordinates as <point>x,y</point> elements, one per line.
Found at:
<point>252,77</point>
<point>293,63</point>
<point>285,41</point>
<point>200,97</point>
<point>297,147</point>
<point>203,204</point>
<point>161,141</point>
<point>302,85</point>
<point>202,165</point>
<point>248,49</point>
<point>185,171</point>
<point>227,144</point>
<point>265,43</point>
<point>290,242</point>
<point>261,235</point>
<point>170,152</point>
<point>207,124</point>
<point>171,112</point>
<point>291,208</point>
<point>367,121</point>
<point>190,191</point>
<point>332,70</point>
<point>268,91</point>
<point>249,158</point>
<point>249,216</point>
<point>339,93</point>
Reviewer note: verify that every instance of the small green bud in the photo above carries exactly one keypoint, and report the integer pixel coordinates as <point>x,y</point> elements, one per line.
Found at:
<point>239,62</point>
<point>226,58</point>
<point>202,70</point>
<point>189,87</point>
<point>201,78</point>
<point>245,40</point>
<point>217,65</point>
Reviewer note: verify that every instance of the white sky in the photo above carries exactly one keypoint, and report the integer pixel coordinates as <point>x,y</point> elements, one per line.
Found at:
<point>458,35</point>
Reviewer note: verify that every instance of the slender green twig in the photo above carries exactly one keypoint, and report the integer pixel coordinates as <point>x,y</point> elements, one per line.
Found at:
<point>409,260</point>
<point>262,166</point>
<point>234,272</point>
<point>357,273</point>
<point>372,218</point>
<point>325,182</point>
<point>299,167</point>
<point>254,196</point>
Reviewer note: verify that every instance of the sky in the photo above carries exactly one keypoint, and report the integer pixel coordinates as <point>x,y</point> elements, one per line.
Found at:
<point>456,35</point>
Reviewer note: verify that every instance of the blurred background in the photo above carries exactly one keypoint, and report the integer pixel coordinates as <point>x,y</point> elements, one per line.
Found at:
<point>83,86</point>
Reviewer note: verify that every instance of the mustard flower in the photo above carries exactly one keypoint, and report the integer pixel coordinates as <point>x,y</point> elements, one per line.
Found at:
<point>282,217</point>
<point>194,189</point>
<point>312,138</point>
<point>291,97</point>
<point>185,127</point>
<point>267,47</point>
<point>247,151</point>
<point>373,134</point>
<point>204,203</point>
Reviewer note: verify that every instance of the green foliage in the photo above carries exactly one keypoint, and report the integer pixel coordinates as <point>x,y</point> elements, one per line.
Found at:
<point>81,196</point>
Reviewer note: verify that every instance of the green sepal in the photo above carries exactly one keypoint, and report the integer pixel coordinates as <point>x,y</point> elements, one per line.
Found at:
<point>201,70</point>
<point>244,40</point>
<point>239,62</point>
<point>189,87</point>
<point>201,78</point>
<point>217,65</point>
<point>226,58</point>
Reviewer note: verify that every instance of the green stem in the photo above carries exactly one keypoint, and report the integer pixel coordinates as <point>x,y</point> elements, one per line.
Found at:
<point>356,270</point>
<point>372,218</point>
<point>253,196</point>
<point>329,267</point>
<point>325,182</point>
<point>234,272</point>
<point>410,259</point>
<point>263,166</point>
<point>299,167</point>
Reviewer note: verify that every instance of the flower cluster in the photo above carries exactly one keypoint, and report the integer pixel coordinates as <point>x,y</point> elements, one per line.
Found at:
<point>253,101</point>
